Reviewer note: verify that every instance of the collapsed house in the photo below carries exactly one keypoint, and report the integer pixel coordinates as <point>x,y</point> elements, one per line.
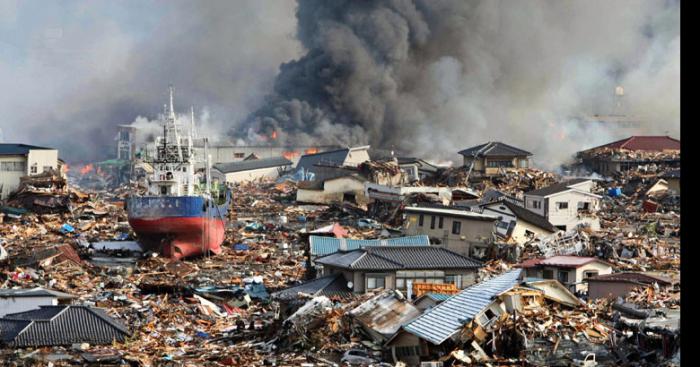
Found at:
<point>569,270</point>
<point>631,153</point>
<point>249,170</point>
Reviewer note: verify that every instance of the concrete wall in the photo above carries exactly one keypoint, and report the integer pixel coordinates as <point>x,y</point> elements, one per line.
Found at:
<point>21,304</point>
<point>519,231</point>
<point>333,192</point>
<point>609,289</point>
<point>42,159</point>
<point>568,217</point>
<point>575,275</point>
<point>600,267</point>
<point>251,175</point>
<point>473,232</point>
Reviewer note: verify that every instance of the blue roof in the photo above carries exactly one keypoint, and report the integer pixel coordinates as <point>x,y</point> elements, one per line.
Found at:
<point>18,149</point>
<point>321,246</point>
<point>441,322</point>
<point>438,296</point>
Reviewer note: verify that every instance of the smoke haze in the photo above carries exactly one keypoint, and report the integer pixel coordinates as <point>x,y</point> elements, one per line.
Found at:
<point>428,77</point>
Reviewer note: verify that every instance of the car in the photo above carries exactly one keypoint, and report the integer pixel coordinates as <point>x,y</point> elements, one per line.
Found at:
<point>357,357</point>
<point>369,223</point>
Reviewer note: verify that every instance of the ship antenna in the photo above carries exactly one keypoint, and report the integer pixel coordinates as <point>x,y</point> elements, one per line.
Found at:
<point>192,120</point>
<point>172,108</point>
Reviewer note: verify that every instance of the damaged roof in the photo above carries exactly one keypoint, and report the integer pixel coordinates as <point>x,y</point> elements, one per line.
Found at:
<point>385,313</point>
<point>322,245</point>
<point>252,164</point>
<point>530,216</point>
<point>33,292</point>
<point>494,149</point>
<point>398,258</point>
<point>631,277</point>
<point>648,143</point>
<point>60,325</point>
<point>450,212</point>
<point>330,285</point>
<point>442,321</point>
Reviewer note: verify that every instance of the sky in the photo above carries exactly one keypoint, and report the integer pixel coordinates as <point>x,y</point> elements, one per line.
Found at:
<point>427,77</point>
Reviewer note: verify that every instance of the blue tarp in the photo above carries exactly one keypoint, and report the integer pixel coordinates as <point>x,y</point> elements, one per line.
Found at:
<point>615,192</point>
<point>67,228</point>
<point>240,247</point>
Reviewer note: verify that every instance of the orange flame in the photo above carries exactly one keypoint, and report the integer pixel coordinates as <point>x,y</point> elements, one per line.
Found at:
<point>311,151</point>
<point>86,169</point>
<point>274,135</point>
<point>290,155</point>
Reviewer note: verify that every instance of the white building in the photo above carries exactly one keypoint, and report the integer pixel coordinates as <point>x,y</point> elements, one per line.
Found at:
<point>566,204</point>
<point>18,160</point>
<point>250,170</point>
<point>20,300</point>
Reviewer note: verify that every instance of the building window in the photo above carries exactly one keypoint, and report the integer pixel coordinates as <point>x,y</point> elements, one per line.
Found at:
<point>420,220</point>
<point>456,227</point>
<point>432,222</point>
<point>238,155</point>
<point>563,205</point>
<point>13,167</point>
<point>375,281</point>
<point>548,274</point>
<point>529,233</point>
<point>583,205</point>
<point>454,279</point>
<point>440,222</point>
<point>564,277</point>
<point>496,164</point>
<point>433,277</point>
<point>535,204</point>
<point>33,168</point>
<point>590,273</point>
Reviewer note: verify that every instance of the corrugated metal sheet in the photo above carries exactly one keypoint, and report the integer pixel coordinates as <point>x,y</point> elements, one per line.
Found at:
<point>441,322</point>
<point>321,246</point>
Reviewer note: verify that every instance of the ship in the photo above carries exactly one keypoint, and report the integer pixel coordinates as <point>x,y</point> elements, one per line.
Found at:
<point>182,213</point>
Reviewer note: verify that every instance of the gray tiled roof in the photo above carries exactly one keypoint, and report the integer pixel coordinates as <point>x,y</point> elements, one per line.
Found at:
<point>494,149</point>
<point>530,217</point>
<point>442,321</point>
<point>252,164</point>
<point>556,188</point>
<point>32,292</point>
<point>330,285</point>
<point>395,258</point>
<point>60,325</point>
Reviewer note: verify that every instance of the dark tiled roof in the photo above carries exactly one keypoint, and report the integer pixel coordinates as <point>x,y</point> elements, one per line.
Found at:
<point>330,285</point>
<point>60,325</point>
<point>333,157</point>
<point>649,143</point>
<point>494,149</point>
<point>676,173</point>
<point>530,217</point>
<point>396,258</point>
<point>631,277</point>
<point>18,149</point>
<point>556,188</point>
<point>252,164</point>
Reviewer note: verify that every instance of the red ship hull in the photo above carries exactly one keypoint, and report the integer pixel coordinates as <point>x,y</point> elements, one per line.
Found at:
<point>180,237</point>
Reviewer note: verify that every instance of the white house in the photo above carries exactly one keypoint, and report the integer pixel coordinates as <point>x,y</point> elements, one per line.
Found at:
<point>516,222</point>
<point>20,300</point>
<point>18,160</point>
<point>250,170</point>
<point>566,204</point>
<point>349,187</point>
